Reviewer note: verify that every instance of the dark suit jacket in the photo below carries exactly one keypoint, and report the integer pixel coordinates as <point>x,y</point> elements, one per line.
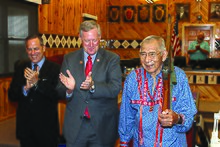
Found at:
<point>102,104</point>
<point>185,16</point>
<point>36,112</point>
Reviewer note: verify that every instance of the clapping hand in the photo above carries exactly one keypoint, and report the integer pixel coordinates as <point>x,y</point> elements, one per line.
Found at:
<point>88,82</point>
<point>68,81</point>
<point>31,77</point>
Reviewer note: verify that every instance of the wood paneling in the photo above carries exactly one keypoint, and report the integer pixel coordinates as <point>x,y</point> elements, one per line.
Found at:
<point>64,17</point>
<point>7,109</point>
<point>60,17</point>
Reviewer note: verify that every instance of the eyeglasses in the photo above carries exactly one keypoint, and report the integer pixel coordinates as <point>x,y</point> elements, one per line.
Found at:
<point>151,55</point>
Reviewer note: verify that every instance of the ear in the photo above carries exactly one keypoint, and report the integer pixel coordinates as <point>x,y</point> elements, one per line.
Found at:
<point>164,56</point>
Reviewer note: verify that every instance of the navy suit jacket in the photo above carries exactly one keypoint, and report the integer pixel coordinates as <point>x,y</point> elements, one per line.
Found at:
<point>38,110</point>
<point>102,104</point>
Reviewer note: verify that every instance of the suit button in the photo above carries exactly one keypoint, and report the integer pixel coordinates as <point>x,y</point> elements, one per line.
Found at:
<point>86,102</point>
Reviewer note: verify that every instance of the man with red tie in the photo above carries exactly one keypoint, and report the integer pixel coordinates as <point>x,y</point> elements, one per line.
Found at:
<point>90,79</point>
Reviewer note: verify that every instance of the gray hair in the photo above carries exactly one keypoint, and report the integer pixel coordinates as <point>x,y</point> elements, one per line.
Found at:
<point>159,39</point>
<point>89,25</point>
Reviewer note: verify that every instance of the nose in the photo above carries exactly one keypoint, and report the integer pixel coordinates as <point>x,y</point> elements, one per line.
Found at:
<point>147,58</point>
<point>33,51</point>
<point>91,43</point>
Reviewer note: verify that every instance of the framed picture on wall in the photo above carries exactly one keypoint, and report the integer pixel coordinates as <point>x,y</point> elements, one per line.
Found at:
<point>183,11</point>
<point>159,13</point>
<point>143,13</point>
<point>214,11</point>
<point>128,13</point>
<point>114,14</point>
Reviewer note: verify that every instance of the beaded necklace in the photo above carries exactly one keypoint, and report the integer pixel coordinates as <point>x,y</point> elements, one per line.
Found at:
<point>143,101</point>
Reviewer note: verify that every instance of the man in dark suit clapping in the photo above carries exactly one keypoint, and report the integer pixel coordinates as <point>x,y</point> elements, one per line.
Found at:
<point>33,87</point>
<point>91,116</point>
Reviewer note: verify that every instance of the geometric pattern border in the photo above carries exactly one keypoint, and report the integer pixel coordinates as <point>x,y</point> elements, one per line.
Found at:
<point>203,79</point>
<point>60,41</point>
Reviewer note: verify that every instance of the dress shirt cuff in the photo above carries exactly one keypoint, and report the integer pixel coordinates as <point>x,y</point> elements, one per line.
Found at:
<point>68,95</point>
<point>25,92</point>
<point>123,144</point>
<point>92,87</point>
<point>92,90</point>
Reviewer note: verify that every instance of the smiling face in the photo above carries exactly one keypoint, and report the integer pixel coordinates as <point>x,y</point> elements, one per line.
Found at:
<point>90,41</point>
<point>35,50</point>
<point>152,56</point>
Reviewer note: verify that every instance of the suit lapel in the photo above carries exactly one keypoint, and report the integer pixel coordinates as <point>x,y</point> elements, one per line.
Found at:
<point>44,69</point>
<point>81,67</point>
<point>97,62</point>
<point>81,72</point>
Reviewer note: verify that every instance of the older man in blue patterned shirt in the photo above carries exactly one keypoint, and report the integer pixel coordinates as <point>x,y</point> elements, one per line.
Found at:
<point>141,116</point>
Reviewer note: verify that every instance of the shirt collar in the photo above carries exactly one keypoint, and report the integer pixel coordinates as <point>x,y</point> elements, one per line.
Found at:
<point>92,56</point>
<point>40,64</point>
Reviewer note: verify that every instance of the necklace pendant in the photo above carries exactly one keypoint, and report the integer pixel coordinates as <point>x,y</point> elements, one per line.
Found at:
<point>151,109</point>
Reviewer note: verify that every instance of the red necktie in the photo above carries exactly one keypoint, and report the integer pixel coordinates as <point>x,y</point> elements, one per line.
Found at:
<point>87,70</point>
<point>88,65</point>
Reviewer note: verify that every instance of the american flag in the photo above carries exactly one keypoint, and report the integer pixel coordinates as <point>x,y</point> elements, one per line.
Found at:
<point>175,42</point>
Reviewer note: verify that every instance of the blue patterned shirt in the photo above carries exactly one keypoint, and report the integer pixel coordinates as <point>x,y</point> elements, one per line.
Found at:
<point>130,113</point>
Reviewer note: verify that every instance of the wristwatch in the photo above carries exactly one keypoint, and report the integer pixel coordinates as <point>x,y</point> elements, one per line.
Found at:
<point>180,119</point>
<point>92,87</point>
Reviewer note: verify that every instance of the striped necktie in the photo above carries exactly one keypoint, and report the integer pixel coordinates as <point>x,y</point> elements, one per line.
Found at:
<point>35,67</point>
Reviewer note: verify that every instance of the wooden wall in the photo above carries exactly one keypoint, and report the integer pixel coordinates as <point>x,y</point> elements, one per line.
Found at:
<point>7,109</point>
<point>62,17</point>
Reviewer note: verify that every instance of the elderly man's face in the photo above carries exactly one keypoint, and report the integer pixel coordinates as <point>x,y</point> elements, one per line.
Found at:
<point>152,57</point>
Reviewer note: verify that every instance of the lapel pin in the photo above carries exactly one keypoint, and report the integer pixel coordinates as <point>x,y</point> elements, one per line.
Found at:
<point>80,62</point>
<point>98,60</point>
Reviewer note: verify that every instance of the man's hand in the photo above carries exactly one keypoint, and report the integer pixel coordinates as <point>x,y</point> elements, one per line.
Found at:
<point>168,118</point>
<point>68,81</point>
<point>27,86</point>
<point>86,85</point>
<point>31,77</point>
